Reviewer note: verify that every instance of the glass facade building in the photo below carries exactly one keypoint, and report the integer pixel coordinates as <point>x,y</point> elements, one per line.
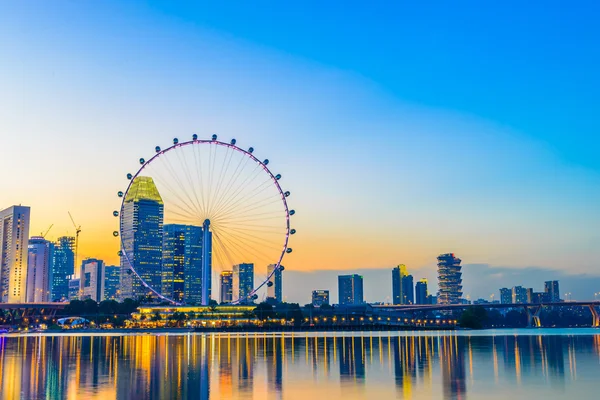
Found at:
<point>91,280</point>
<point>14,237</point>
<point>320,297</point>
<point>226,292</point>
<point>421,293</point>
<point>182,263</point>
<point>402,286</point>
<point>142,237</point>
<point>350,289</point>
<point>112,274</point>
<point>39,267</point>
<point>449,279</point>
<point>243,281</point>
<point>552,291</point>
<point>63,266</point>
<point>275,290</point>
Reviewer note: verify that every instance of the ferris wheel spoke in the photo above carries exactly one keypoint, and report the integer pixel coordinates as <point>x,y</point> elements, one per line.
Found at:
<point>248,211</point>
<point>263,243</point>
<point>224,168</point>
<point>233,178</point>
<point>258,204</point>
<point>232,206</point>
<point>238,190</point>
<point>170,168</point>
<point>188,174</point>
<point>198,169</point>
<point>163,183</point>
<point>245,251</point>
<point>245,239</point>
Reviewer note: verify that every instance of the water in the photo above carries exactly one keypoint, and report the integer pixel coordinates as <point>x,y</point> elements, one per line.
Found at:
<point>507,364</point>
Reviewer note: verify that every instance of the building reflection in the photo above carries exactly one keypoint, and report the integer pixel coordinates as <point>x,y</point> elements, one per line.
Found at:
<point>270,366</point>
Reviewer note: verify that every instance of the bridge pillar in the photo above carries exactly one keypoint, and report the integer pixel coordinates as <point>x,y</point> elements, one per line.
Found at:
<point>533,316</point>
<point>595,316</point>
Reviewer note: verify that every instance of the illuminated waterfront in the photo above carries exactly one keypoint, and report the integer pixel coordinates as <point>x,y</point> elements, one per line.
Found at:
<point>450,365</point>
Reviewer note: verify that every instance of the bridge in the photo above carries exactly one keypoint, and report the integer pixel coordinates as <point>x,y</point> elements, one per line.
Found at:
<point>12,312</point>
<point>532,309</point>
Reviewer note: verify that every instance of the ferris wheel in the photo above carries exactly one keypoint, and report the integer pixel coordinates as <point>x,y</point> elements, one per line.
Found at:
<point>203,220</point>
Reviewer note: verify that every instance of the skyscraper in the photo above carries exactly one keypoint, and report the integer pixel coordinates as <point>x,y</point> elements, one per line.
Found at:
<point>243,281</point>
<point>421,292</point>
<point>350,289</point>
<point>449,279</point>
<point>142,230</point>
<point>112,274</point>
<point>552,291</point>
<point>274,290</point>
<point>226,291</point>
<point>63,266</point>
<point>320,297</point>
<point>505,296</point>
<point>74,288</point>
<point>519,295</point>
<point>14,235</point>
<point>39,267</point>
<point>206,263</point>
<point>402,286</point>
<point>91,280</point>
<point>182,263</point>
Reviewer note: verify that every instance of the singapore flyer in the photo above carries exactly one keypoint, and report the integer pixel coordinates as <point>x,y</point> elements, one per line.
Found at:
<point>203,221</point>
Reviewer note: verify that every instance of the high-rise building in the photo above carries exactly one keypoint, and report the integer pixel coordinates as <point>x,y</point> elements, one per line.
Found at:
<point>206,263</point>
<point>552,291</point>
<point>449,279</point>
<point>39,267</point>
<point>274,286</point>
<point>74,288</point>
<point>350,289</point>
<point>243,281</point>
<point>421,292</point>
<point>506,296</point>
<point>112,274</point>
<point>63,266</point>
<point>226,291</point>
<point>182,263</point>
<point>14,235</point>
<point>402,286</point>
<point>519,295</point>
<point>142,230</point>
<point>320,297</point>
<point>91,280</point>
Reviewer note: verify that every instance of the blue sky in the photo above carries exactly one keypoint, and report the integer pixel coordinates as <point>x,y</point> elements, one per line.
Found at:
<point>402,130</point>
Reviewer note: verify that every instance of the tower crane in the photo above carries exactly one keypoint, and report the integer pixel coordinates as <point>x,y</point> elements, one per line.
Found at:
<point>42,234</point>
<point>77,231</point>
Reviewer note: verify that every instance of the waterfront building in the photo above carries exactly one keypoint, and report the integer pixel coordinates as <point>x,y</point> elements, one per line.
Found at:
<point>449,279</point>
<point>274,286</point>
<point>519,295</point>
<point>506,296</point>
<point>74,288</point>
<point>14,235</point>
<point>243,281</point>
<point>431,299</point>
<point>112,274</point>
<point>402,286</point>
<point>63,266</point>
<point>182,263</point>
<point>320,297</point>
<point>39,267</point>
<point>552,291</point>
<point>350,289</point>
<point>226,292</point>
<point>539,297</point>
<point>421,292</point>
<point>142,230</point>
<point>91,280</point>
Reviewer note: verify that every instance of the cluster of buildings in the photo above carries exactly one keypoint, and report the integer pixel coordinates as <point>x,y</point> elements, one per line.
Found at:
<point>522,295</point>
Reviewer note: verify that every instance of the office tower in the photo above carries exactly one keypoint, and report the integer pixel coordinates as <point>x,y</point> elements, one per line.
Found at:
<point>431,299</point>
<point>182,263</point>
<point>529,295</point>
<point>226,291</point>
<point>519,295</point>
<point>14,235</point>
<point>402,286</point>
<point>39,267</point>
<point>449,279</point>
<point>274,290</point>
<point>243,281</point>
<point>142,230</point>
<point>74,288</point>
<point>91,280</point>
<point>506,296</point>
<point>421,291</point>
<point>63,266</point>
<point>112,274</point>
<point>552,291</point>
<point>320,297</point>
<point>206,263</point>
<point>350,289</point>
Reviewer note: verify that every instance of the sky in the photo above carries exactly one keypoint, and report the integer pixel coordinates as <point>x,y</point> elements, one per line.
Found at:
<point>403,130</point>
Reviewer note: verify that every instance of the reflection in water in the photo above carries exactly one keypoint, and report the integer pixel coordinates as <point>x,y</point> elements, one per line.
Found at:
<point>449,366</point>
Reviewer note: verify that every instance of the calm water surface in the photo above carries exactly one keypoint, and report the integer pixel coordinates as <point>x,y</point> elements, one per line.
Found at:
<point>519,364</point>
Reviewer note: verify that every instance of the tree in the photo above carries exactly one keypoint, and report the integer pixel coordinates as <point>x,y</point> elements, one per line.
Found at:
<point>155,317</point>
<point>473,317</point>
<point>264,311</point>
<point>179,318</point>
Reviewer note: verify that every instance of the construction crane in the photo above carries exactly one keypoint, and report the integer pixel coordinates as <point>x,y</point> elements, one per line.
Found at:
<point>77,231</point>
<point>42,234</point>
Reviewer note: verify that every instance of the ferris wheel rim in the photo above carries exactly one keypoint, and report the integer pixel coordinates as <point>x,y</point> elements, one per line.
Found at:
<point>232,145</point>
